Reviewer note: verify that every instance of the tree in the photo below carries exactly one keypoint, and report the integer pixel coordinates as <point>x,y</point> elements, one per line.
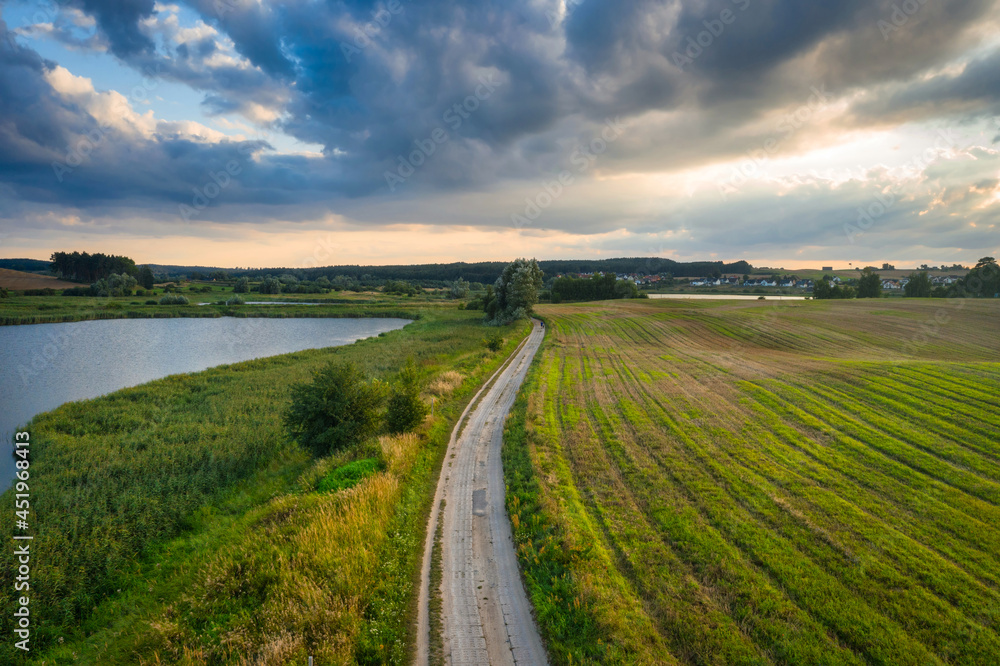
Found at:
<point>869,284</point>
<point>344,283</point>
<point>90,268</point>
<point>626,289</point>
<point>405,410</point>
<point>823,289</point>
<point>270,285</point>
<point>458,289</point>
<point>337,409</point>
<point>114,285</point>
<point>242,286</point>
<point>919,285</point>
<point>595,288</point>
<point>146,278</point>
<point>514,292</point>
<point>401,287</point>
<point>982,281</point>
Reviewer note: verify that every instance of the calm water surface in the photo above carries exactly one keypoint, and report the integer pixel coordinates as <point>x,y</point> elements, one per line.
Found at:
<point>44,365</point>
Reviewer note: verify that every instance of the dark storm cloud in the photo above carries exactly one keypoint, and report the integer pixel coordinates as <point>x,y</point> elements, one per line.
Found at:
<point>119,21</point>
<point>976,87</point>
<point>554,77</point>
<point>54,151</point>
<point>256,29</point>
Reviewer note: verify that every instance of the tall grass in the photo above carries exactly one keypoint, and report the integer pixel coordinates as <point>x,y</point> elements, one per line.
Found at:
<point>150,493</point>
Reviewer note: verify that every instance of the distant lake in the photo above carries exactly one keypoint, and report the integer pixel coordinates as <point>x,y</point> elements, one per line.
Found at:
<point>728,297</point>
<point>44,365</point>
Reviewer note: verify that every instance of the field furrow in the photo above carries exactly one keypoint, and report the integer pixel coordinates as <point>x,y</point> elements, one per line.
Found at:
<point>780,484</point>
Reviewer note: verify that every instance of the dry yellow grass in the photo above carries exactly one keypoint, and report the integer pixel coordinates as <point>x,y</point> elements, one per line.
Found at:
<point>445,383</point>
<point>19,281</point>
<point>313,560</point>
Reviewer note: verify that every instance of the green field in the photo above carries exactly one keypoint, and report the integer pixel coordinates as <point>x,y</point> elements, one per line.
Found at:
<point>757,483</point>
<point>175,522</point>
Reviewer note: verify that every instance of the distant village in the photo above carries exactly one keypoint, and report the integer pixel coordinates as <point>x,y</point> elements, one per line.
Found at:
<point>744,281</point>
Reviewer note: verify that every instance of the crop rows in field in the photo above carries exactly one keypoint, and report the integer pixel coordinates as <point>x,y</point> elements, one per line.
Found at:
<point>775,485</point>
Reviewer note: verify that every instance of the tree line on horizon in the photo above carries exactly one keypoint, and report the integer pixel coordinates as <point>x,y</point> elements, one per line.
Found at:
<point>485,272</point>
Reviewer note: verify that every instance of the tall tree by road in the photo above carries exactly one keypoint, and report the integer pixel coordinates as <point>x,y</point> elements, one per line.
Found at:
<point>514,293</point>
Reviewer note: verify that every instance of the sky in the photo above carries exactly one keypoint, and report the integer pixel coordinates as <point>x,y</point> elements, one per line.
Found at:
<point>301,133</point>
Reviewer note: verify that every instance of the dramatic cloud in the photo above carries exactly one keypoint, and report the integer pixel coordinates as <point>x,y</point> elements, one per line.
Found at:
<point>401,109</point>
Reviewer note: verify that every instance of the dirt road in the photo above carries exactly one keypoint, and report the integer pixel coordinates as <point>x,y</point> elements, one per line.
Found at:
<point>487,616</point>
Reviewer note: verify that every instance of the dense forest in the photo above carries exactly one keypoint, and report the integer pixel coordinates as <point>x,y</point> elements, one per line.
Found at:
<point>483,272</point>
<point>25,265</point>
<point>85,267</point>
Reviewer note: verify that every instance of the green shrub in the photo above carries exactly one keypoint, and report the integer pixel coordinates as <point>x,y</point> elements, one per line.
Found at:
<point>337,409</point>
<point>151,302</point>
<point>174,300</point>
<point>349,475</point>
<point>405,410</point>
<point>494,342</point>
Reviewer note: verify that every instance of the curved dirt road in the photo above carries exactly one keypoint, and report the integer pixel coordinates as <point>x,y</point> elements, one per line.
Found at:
<point>487,616</point>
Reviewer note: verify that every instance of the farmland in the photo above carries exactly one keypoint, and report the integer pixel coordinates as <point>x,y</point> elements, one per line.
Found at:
<point>19,280</point>
<point>762,482</point>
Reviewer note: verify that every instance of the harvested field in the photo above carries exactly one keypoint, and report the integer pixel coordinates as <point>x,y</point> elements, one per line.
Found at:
<point>758,483</point>
<point>19,281</point>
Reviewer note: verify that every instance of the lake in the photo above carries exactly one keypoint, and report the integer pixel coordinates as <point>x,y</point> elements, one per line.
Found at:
<point>728,297</point>
<point>44,365</point>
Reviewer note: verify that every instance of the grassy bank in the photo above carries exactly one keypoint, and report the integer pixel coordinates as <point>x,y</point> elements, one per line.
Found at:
<point>180,525</point>
<point>799,482</point>
<point>22,310</point>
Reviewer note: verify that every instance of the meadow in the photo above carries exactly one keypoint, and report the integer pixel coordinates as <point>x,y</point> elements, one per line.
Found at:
<point>19,309</point>
<point>177,522</point>
<point>762,482</point>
